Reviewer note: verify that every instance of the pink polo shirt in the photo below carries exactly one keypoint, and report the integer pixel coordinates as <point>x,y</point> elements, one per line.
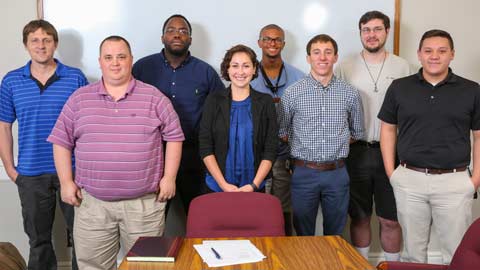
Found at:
<point>118,145</point>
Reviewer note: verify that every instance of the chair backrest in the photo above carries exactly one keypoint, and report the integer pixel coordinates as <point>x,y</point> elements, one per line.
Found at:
<point>10,258</point>
<point>467,255</point>
<point>235,214</point>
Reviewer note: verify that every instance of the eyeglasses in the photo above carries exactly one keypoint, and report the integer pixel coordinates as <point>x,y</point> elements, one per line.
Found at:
<point>277,40</point>
<point>181,31</point>
<point>375,30</point>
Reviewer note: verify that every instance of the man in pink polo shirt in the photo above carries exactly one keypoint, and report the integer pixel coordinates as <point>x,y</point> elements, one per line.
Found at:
<point>116,128</point>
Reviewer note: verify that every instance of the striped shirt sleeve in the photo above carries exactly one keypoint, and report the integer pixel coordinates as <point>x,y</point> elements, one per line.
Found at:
<point>63,132</point>
<point>7,110</point>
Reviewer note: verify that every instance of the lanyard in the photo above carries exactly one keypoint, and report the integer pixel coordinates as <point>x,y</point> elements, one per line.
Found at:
<point>268,83</point>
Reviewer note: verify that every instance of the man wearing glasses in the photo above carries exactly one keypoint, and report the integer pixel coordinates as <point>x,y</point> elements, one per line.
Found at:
<point>274,77</point>
<point>371,72</point>
<point>186,81</point>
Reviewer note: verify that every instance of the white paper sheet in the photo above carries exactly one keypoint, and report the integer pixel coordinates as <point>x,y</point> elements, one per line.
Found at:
<point>231,252</point>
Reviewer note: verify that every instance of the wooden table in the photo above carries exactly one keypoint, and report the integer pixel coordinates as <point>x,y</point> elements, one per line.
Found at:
<point>283,253</point>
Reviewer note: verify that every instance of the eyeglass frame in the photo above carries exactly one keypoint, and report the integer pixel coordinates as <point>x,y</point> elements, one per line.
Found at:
<point>277,40</point>
<point>181,31</point>
<point>376,30</point>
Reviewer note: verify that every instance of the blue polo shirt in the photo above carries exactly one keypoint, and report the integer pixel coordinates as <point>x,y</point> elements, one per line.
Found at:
<point>36,111</point>
<point>187,86</point>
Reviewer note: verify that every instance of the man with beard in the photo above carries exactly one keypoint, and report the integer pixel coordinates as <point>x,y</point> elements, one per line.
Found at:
<point>273,78</point>
<point>371,72</point>
<point>186,81</point>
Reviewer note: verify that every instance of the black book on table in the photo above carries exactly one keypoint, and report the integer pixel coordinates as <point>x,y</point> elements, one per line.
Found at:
<point>155,249</point>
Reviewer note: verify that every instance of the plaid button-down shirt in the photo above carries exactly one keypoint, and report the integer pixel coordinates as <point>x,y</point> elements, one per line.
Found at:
<point>319,121</point>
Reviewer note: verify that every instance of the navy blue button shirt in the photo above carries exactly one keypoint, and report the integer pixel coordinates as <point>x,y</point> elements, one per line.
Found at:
<point>187,86</point>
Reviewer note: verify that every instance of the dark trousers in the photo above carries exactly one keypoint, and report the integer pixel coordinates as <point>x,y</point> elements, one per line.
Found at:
<point>311,188</point>
<point>190,177</point>
<point>369,183</point>
<point>38,195</point>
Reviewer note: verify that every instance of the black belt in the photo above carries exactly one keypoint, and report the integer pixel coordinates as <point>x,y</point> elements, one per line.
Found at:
<point>372,144</point>
<point>432,171</point>
<point>321,166</point>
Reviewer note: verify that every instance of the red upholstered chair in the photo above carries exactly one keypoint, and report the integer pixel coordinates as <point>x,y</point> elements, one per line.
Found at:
<point>235,214</point>
<point>466,257</point>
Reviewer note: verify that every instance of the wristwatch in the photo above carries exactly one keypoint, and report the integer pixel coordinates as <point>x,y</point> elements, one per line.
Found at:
<point>255,188</point>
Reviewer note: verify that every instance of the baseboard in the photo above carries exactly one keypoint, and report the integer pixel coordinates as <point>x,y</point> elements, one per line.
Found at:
<point>67,265</point>
<point>64,265</point>
<point>434,257</point>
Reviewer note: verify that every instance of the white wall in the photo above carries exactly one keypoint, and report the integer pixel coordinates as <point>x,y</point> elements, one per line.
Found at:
<point>457,17</point>
<point>214,30</point>
<point>13,15</point>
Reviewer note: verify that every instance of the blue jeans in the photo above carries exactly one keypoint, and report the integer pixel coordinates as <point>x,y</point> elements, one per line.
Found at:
<point>311,187</point>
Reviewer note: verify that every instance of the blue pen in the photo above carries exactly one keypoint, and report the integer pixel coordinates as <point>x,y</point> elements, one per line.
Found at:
<point>216,253</point>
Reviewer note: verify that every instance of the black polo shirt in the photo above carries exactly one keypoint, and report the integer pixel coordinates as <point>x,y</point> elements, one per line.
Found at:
<point>433,122</point>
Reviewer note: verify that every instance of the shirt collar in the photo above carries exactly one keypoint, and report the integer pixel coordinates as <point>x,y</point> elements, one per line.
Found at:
<point>131,86</point>
<point>165,60</point>
<point>60,70</point>
<point>451,77</point>
<point>317,83</point>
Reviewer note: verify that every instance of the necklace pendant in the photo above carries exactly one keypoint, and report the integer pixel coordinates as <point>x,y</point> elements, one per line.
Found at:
<point>375,89</point>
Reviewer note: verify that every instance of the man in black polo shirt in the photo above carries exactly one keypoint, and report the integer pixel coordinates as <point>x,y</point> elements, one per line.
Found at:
<point>433,112</point>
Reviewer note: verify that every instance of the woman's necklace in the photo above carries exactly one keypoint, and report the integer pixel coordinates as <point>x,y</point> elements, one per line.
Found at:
<point>375,81</point>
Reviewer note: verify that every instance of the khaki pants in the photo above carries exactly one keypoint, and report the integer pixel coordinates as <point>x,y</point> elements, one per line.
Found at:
<point>101,226</point>
<point>422,199</point>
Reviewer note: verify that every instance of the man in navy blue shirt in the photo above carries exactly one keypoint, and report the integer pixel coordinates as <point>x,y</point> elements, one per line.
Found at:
<point>187,81</point>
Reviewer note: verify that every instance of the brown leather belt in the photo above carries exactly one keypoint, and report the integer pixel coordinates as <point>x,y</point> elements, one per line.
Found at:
<point>432,171</point>
<point>321,166</point>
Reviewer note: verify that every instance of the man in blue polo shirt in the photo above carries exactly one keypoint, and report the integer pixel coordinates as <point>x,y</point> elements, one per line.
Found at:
<point>34,95</point>
<point>187,81</point>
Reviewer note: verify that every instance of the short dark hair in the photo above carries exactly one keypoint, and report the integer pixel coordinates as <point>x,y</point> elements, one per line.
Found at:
<point>115,38</point>
<point>34,25</point>
<point>177,16</point>
<point>374,14</point>
<point>322,38</point>
<point>436,33</point>
<point>270,26</point>
<point>228,58</point>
